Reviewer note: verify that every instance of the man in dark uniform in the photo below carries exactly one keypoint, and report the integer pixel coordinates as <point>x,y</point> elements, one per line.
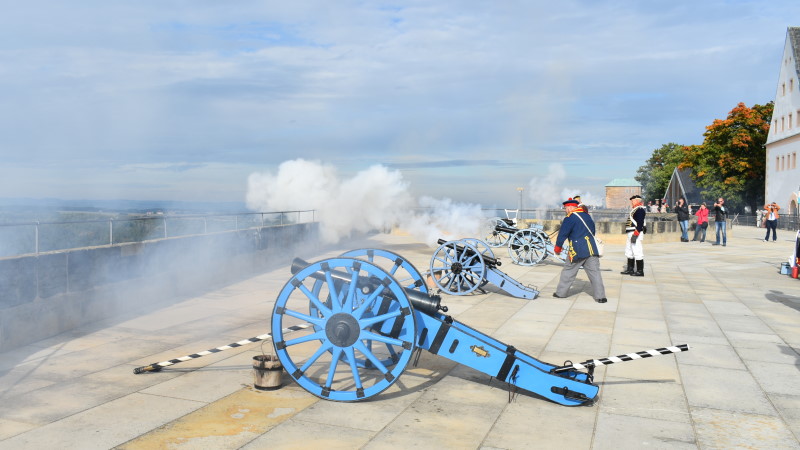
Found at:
<point>579,228</point>
<point>635,229</point>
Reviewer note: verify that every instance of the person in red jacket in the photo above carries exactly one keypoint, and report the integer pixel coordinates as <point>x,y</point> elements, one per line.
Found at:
<point>702,223</point>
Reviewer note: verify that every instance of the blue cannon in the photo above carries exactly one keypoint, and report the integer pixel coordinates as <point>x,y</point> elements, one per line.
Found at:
<point>369,310</point>
<point>359,318</point>
<point>461,267</point>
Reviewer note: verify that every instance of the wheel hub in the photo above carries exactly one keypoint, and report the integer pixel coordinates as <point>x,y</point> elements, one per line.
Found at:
<point>456,268</point>
<point>342,330</point>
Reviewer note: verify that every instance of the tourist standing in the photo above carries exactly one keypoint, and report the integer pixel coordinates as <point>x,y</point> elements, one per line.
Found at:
<point>683,218</point>
<point>720,224</point>
<point>702,223</point>
<point>771,220</point>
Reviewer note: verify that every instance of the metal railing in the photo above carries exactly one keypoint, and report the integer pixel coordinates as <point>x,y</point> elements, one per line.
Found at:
<point>37,237</point>
<point>785,222</point>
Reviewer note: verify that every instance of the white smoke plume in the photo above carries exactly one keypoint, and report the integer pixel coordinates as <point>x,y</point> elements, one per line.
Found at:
<point>550,190</point>
<point>444,219</point>
<point>375,198</point>
<point>546,192</point>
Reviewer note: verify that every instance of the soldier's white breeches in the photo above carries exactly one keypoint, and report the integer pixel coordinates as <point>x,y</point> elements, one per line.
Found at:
<point>634,251</point>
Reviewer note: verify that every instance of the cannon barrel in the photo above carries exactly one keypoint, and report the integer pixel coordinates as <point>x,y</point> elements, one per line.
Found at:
<point>492,262</point>
<point>506,229</point>
<point>429,304</point>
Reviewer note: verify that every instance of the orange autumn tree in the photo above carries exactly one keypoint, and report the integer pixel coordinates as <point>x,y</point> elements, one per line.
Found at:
<point>731,161</point>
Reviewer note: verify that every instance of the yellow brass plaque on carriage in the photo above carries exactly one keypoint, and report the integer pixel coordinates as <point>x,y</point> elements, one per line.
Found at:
<point>480,351</point>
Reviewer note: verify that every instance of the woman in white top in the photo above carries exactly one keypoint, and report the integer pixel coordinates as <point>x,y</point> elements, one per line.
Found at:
<point>771,220</point>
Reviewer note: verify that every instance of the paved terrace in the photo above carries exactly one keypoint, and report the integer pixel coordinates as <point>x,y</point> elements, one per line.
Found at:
<point>739,386</point>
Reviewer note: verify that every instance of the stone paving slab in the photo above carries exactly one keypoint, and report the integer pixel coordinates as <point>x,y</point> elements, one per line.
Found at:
<point>736,388</point>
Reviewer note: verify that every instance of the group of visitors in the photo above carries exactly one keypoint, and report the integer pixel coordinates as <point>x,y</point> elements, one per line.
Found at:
<point>683,213</point>
<point>660,206</point>
<point>770,221</point>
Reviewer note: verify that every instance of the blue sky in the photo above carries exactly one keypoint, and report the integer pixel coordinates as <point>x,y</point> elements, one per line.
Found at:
<point>183,100</point>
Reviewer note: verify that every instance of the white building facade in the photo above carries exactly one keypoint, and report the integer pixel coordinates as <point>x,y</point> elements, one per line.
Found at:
<point>783,142</point>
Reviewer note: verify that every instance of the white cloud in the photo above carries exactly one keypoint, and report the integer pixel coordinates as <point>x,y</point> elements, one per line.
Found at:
<point>595,86</point>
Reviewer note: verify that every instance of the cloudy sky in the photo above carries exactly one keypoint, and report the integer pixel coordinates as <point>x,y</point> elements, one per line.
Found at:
<point>184,100</point>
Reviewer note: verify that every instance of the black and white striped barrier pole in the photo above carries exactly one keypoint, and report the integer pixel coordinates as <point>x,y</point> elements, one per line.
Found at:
<point>155,367</point>
<point>592,363</point>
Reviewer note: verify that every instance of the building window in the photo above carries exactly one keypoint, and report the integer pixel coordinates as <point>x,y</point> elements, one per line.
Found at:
<point>783,123</point>
<point>777,164</point>
<point>791,85</point>
<point>783,89</point>
<point>790,121</point>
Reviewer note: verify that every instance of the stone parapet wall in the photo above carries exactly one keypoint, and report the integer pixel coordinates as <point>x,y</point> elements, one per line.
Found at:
<point>47,294</point>
<point>614,232</point>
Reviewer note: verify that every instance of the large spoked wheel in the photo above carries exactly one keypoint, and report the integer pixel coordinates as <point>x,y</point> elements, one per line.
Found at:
<point>356,304</point>
<point>401,270</point>
<point>495,238</point>
<point>527,247</point>
<point>457,268</point>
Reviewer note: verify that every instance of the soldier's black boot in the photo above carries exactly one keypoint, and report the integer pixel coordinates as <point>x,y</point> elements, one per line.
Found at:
<point>629,270</point>
<point>639,268</point>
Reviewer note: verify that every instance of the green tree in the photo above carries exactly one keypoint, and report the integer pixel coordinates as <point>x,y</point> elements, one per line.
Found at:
<point>655,174</point>
<point>731,161</point>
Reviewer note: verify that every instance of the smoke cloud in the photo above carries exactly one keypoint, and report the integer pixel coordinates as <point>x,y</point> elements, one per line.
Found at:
<point>546,192</point>
<point>550,190</point>
<point>444,219</point>
<point>375,198</point>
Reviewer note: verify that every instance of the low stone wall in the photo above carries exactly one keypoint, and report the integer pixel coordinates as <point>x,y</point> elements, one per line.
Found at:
<point>614,232</point>
<point>47,294</point>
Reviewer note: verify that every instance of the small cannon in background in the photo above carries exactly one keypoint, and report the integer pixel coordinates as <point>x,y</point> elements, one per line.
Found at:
<point>461,267</point>
<point>529,246</point>
<point>365,326</point>
<point>495,237</point>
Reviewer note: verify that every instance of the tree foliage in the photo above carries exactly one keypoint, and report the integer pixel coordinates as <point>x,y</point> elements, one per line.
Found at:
<point>655,174</point>
<point>731,162</point>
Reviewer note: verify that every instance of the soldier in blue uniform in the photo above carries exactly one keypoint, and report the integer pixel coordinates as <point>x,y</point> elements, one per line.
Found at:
<point>578,228</point>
